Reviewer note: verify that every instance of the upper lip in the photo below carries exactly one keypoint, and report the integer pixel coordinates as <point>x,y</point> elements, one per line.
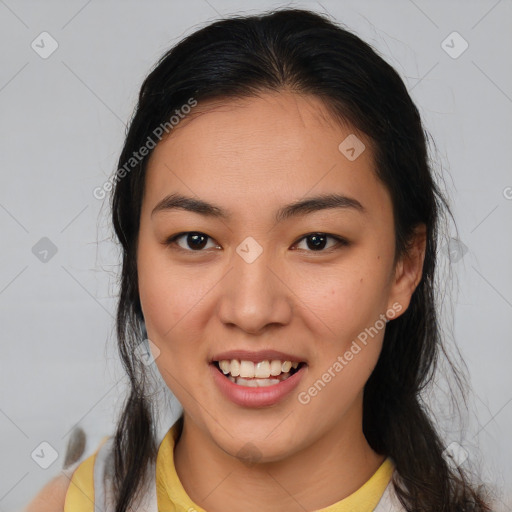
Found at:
<point>255,357</point>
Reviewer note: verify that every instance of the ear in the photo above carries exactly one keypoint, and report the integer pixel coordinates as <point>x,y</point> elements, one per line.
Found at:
<point>409,269</point>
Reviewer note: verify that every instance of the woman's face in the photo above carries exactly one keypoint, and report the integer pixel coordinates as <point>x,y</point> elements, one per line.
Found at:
<point>253,286</point>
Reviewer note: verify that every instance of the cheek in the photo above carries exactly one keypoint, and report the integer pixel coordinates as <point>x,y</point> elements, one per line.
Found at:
<point>169,300</point>
<point>347,354</point>
<point>348,299</point>
<point>169,294</point>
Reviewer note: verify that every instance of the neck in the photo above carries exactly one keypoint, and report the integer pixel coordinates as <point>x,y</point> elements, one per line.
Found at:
<point>323,473</point>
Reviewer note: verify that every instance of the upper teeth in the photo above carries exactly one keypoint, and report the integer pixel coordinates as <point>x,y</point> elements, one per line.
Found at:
<point>260,370</point>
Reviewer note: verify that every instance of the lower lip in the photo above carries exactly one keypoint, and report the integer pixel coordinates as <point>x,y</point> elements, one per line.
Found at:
<point>255,397</point>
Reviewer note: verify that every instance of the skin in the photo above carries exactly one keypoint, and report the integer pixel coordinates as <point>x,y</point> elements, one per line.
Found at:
<point>52,497</point>
<point>251,157</point>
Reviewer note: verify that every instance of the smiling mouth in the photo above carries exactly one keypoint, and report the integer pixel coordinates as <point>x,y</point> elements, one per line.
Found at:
<point>261,374</point>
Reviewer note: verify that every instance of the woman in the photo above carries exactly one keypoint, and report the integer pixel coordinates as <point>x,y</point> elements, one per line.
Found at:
<point>279,224</point>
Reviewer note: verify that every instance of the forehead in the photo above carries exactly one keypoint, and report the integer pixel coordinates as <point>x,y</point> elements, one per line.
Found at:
<point>259,150</point>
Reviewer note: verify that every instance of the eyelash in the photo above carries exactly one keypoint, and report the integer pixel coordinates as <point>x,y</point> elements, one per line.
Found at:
<point>341,242</point>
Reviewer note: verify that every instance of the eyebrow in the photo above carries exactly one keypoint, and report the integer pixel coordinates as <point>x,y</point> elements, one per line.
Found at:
<point>298,208</point>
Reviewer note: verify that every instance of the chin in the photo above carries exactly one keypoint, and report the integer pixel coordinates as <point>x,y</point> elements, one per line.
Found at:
<point>254,446</point>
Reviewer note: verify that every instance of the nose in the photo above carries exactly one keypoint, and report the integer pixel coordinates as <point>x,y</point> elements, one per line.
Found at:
<point>255,296</point>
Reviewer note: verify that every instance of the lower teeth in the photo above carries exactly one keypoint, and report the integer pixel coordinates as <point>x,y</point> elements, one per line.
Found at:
<point>257,383</point>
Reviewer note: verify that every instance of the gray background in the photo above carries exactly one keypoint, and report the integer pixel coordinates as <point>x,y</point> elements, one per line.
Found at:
<point>62,126</point>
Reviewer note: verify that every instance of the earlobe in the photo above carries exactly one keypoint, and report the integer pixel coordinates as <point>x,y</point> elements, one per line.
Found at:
<point>409,269</point>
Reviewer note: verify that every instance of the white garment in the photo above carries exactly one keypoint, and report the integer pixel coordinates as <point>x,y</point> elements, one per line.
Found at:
<point>389,501</point>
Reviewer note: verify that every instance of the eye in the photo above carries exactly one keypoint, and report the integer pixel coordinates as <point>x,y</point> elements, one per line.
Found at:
<point>317,241</point>
<point>195,240</point>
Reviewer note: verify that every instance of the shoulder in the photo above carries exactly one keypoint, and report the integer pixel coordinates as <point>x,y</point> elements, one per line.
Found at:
<point>72,489</point>
<point>52,496</point>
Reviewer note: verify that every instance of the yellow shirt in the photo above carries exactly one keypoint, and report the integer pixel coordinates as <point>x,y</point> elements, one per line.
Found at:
<point>172,496</point>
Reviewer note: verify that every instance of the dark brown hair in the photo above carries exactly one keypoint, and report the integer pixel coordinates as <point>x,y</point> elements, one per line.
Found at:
<point>305,52</point>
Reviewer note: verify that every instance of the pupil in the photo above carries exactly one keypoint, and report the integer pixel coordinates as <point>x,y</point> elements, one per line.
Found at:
<point>196,240</point>
<point>318,241</point>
